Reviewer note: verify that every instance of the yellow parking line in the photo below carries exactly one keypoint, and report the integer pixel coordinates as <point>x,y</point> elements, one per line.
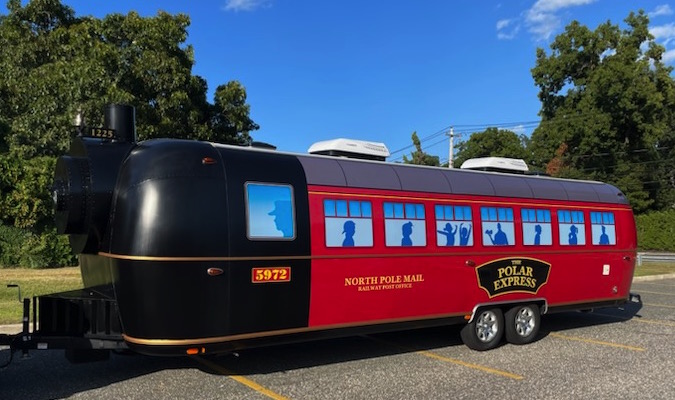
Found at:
<point>592,341</point>
<point>244,381</point>
<point>661,293</point>
<point>653,321</point>
<point>658,305</point>
<point>448,359</point>
<point>469,365</point>
<point>638,319</point>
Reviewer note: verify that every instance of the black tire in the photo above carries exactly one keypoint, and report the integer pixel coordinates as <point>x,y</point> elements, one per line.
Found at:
<point>485,331</point>
<point>522,323</point>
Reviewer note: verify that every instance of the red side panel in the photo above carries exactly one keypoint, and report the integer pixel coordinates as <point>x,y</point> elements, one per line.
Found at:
<point>380,283</point>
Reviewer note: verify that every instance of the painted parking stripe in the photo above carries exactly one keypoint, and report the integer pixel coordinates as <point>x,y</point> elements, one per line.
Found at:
<point>469,365</point>
<point>661,293</point>
<point>658,305</point>
<point>455,361</point>
<point>638,319</point>
<point>599,342</point>
<point>244,381</point>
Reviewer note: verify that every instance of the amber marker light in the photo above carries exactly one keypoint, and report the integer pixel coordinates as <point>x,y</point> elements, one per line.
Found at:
<point>192,351</point>
<point>467,317</point>
<point>208,161</point>
<point>214,271</point>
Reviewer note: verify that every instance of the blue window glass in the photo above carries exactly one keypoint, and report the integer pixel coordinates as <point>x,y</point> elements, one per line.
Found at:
<point>329,208</point>
<point>398,210</point>
<point>354,208</point>
<point>409,210</point>
<point>366,209</point>
<point>438,210</point>
<point>388,210</point>
<point>602,228</point>
<point>537,230</point>
<point>270,211</point>
<point>341,206</point>
<point>419,211</point>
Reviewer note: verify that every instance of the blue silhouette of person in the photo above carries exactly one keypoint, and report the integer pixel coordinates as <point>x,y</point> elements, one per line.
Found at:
<point>406,230</point>
<point>537,235</point>
<point>464,235</point>
<point>283,213</point>
<point>572,237</point>
<point>349,228</point>
<point>604,238</point>
<point>449,234</point>
<point>500,238</point>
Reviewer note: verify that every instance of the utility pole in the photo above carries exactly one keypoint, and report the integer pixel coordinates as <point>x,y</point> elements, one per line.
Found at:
<point>452,145</point>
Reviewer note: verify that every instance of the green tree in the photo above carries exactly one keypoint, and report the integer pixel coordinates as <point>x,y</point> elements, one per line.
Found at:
<point>492,142</point>
<point>55,65</point>
<point>608,105</point>
<point>418,156</point>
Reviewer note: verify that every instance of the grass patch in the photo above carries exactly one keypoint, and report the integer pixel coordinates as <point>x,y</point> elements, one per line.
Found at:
<point>33,282</point>
<point>654,268</point>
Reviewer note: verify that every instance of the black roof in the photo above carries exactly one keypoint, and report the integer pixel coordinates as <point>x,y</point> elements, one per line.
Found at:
<point>378,175</point>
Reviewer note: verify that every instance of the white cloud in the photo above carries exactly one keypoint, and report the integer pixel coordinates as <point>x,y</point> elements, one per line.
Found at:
<point>518,129</point>
<point>503,23</point>
<point>507,29</point>
<point>663,31</point>
<point>663,9</point>
<point>542,18</point>
<point>668,57</point>
<point>245,5</point>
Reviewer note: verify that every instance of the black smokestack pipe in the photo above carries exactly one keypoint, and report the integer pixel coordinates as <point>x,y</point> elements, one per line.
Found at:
<point>121,118</point>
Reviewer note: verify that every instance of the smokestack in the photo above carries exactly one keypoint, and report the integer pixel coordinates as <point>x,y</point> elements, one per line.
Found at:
<point>121,118</point>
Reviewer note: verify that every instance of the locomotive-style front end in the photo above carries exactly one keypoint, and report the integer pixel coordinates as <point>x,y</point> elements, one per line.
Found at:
<point>163,230</point>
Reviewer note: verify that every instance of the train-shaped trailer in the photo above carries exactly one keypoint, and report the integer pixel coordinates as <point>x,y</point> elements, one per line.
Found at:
<point>191,247</point>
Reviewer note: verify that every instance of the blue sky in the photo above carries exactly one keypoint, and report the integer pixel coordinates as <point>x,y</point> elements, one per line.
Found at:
<point>379,70</point>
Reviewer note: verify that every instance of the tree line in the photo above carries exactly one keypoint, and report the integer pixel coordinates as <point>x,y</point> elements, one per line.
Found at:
<point>55,65</point>
<point>607,113</point>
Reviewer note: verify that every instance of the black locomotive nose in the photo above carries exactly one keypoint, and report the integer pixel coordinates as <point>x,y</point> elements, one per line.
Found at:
<point>71,193</point>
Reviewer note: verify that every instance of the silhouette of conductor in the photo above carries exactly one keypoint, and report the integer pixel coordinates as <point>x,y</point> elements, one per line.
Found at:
<point>572,237</point>
<point>464,235</point>
<point>283,213</point>
<point>537,235</point>
<point>406,230</point>
<point>604,238</point>
<point>500,238</point>
<point>449,234</point>
<point>349,228</point>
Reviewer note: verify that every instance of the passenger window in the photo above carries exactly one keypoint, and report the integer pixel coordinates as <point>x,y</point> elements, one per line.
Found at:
<point>404,224</point>
<point>536,227</point>
<point>497,224</point>
<point>603,229</point>
<point>572,228</point>
<point>348,223</point>
<point>270,213</point>
<point>453,225</point>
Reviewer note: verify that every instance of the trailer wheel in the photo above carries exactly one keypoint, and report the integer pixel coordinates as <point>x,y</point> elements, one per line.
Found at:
<point>485,331</point>
<point>522,324</point>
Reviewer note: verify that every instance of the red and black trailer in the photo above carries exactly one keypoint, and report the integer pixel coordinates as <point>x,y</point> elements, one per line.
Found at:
<point>190,247</point>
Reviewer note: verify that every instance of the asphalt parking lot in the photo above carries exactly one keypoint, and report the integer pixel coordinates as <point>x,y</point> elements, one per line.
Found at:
<point>604,354</point>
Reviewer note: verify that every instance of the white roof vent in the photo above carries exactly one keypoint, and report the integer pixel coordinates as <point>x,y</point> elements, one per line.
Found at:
<point>351,148</point>
<point>496,164</point>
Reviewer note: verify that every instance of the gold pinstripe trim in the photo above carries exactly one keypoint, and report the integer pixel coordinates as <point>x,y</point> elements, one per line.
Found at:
<point>230,338</point>
<point>353,256</point>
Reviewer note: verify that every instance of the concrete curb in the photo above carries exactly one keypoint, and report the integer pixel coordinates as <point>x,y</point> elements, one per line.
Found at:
<point>653,277</point>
